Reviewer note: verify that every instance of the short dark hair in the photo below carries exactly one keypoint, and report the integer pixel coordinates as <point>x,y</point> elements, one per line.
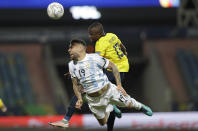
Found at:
<point>78,41</point>
<point>96,25</point>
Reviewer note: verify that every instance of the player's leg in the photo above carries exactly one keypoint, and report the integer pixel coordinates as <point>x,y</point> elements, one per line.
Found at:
<point>64,123</point>
<point>101,109</point>
<point>110,121</point>
<point>103,115</point>
<point>102,121</point>
<point>111,78</point>
<point>71,109</point>
<point>127,101</point>
<point>116,112</point>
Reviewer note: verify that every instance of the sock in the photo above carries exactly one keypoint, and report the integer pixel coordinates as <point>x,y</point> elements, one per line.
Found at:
<point>115,108</point>
<point>135,104</point>
<point>71,109</point>
<point>110,122</point>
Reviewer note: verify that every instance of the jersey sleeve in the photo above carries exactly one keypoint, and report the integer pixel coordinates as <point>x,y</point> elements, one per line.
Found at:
<point>101,61</point>
<point>71,70</point>
<point>119,42</point>
<point>100,47</point>
<point>116,39</point>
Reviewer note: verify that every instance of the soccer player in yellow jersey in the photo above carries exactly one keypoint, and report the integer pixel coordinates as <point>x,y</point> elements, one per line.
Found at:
<point>110,47</point>
<point>2,106</point>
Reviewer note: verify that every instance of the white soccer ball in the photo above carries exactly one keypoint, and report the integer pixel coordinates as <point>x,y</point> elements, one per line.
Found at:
<point>55,10</point>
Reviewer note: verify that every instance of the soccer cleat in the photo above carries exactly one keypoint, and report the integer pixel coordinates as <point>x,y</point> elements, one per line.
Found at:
<point>146,110</point>
<point>118,113</point>
<point>62,124</point>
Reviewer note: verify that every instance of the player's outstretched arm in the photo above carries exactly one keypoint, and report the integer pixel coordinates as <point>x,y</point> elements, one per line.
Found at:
<point>117,77</point>
<point>77,93</point>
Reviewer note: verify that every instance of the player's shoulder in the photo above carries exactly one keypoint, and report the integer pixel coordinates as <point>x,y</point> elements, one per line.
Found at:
<point>71,63</point>
<point>106,38</point>
<point>111,34</point>
<point>110,37</point>
<point>94,55</point>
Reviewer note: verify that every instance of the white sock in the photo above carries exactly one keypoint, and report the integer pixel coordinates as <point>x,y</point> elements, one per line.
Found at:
<point>135,104</point>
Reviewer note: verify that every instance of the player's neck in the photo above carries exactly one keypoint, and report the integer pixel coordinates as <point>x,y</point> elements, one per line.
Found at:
<point>82,56</point>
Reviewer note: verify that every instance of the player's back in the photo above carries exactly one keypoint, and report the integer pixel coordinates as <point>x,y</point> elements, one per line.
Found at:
<point>109,47</point>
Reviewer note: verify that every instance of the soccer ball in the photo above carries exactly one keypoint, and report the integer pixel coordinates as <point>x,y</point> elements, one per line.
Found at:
<point>55,10</point>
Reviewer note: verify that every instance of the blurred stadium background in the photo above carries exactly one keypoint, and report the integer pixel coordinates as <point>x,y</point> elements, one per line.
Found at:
<point>161,40</point>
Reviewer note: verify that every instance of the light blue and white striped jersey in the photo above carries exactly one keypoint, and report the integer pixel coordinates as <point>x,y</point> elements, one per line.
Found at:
<point>89,72</point>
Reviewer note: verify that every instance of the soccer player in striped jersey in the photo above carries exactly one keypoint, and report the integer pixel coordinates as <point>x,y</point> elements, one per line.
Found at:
<point>87,69</point>
<point>109,46</point>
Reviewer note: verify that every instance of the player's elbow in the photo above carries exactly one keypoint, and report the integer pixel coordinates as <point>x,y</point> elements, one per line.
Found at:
<point>111,65</point>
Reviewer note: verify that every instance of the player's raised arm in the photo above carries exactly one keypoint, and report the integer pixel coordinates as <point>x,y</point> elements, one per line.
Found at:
<point>115,72</point>
<point>77,93</point>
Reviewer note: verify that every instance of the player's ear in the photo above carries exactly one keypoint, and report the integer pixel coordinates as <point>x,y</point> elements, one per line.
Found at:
<point>85,48</point>
<point>80,47</point>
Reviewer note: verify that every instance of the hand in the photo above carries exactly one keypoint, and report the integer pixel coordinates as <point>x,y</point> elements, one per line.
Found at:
<point>121,89</point>
<point>79,103</point>
<point>68,76</point>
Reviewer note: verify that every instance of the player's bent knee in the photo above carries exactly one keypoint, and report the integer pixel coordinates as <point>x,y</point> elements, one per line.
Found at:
<point>102,122</point>
<point>130,105</point>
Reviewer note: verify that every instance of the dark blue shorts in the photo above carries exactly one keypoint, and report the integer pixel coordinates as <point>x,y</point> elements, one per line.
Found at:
<point>112,78</point>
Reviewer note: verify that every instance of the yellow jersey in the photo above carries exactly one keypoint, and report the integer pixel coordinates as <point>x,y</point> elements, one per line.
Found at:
<point>1,103</point>
<point>109,47</point>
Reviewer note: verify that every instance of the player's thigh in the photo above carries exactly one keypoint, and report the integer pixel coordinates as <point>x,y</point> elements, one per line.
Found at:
<point>101,113</point>
<point>97,106</point>
<point>118,98</point>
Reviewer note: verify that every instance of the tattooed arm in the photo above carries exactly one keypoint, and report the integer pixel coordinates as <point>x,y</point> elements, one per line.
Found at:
<point>77,93</point>
<point>117,77</point>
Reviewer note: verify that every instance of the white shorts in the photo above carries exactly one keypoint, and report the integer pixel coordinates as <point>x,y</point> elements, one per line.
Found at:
<point>102,105</point>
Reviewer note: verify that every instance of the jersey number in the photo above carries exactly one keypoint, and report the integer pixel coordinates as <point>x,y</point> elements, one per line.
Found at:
<point>122,98</point>
<point>82,72</point>
<point>117,49</point>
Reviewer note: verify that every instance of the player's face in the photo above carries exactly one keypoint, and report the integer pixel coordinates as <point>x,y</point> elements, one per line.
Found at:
<point>93,35</point>
<point>74,51</point>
